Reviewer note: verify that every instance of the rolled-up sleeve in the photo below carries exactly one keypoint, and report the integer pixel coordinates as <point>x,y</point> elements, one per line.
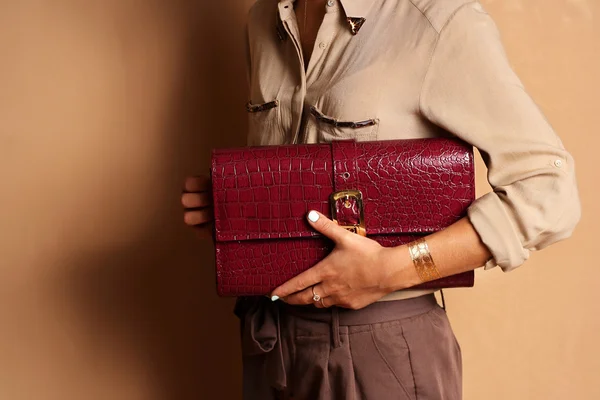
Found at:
<point>471,91</point>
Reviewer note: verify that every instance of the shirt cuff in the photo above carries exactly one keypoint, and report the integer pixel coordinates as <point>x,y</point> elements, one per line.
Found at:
<point>491,221</point>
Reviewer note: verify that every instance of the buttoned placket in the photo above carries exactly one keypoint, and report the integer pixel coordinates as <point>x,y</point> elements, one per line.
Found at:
<point>308,77</point>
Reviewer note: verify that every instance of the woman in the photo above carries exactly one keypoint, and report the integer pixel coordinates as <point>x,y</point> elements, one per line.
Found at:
<point>400,69</point>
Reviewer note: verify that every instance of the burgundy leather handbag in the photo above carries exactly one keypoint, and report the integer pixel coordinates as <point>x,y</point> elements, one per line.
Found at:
<point>392,191</point>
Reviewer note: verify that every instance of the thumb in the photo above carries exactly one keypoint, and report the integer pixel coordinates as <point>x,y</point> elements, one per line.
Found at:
<point>326,226</point>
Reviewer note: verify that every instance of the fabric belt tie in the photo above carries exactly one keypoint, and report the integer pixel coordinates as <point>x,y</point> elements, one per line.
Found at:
<point>261,335</point>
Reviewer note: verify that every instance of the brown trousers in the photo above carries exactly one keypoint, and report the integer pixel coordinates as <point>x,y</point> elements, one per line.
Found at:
<point>403,349</point>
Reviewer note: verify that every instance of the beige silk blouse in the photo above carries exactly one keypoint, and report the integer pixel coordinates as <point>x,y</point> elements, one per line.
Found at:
<point>417,69</point>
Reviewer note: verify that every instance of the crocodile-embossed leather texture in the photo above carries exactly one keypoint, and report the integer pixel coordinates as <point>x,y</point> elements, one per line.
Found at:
<point>261,194</point>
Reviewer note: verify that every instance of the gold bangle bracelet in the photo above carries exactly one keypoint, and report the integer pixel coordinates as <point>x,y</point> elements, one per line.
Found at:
<point>421,257</point>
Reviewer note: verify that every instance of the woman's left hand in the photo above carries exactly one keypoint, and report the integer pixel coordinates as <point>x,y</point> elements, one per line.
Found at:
<point>358,272</point>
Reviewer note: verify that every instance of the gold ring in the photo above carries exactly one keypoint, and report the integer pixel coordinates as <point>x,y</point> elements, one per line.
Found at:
<point>316,297</point>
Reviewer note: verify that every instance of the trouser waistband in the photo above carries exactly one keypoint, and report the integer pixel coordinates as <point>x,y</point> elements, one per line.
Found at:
<point>377,312</point>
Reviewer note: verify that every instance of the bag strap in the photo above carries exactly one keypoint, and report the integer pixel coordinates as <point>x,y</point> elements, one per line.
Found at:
<point>345,170</point>
<point>346,203</point>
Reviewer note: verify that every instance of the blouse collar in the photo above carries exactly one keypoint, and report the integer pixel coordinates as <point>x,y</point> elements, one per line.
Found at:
<point>355,10</point>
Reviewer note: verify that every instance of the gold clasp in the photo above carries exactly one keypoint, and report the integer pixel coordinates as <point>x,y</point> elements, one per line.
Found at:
<point>347,195</point>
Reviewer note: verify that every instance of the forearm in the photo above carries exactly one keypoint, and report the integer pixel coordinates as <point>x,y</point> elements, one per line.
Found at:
<point>454,249</point>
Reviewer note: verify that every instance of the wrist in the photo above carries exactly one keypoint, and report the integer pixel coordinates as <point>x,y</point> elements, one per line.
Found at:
<point>402,273</point>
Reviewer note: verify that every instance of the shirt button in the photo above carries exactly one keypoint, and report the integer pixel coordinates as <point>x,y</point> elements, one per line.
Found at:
<point>322,45</point>
<point>330,3</point>
<point>558,163</point>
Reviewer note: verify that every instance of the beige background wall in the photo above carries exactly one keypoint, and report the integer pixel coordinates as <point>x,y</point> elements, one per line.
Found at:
<point>106,105</point>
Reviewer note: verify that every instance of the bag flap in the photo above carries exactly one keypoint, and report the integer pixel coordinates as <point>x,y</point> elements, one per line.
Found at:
<point>408,186</point>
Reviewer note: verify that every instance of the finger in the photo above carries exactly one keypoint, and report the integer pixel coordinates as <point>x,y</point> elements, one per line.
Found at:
<point>326,226</point>
<point>324,303</point>
<point>300,282</point>
<point>305,296</point>
<point>197,217</point>
<point>195,200</point>
<point>345,302</point>
<point>199,183</point>
<point>299,298</point>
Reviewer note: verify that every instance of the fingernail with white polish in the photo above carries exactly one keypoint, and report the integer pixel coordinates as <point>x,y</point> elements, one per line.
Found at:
<point>274,298</point>
<point>313,216</point>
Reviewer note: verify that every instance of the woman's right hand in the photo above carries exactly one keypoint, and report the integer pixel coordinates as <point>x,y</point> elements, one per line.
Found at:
<point>197,202</point>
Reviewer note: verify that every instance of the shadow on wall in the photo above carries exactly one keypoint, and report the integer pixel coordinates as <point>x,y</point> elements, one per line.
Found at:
<point>155,300</point>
